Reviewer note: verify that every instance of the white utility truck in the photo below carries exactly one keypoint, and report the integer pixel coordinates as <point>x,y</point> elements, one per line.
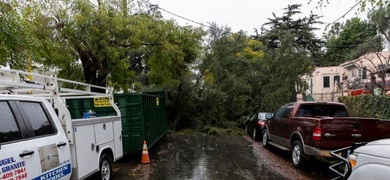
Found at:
<point>38,138</point>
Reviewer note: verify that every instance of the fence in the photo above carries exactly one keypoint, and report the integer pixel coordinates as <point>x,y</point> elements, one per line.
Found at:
<point>330,97</point>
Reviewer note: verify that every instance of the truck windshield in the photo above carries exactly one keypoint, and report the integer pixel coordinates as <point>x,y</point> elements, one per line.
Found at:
<point>330,110</point>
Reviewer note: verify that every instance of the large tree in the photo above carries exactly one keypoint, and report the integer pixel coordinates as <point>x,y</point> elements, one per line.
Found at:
<point>362,4</point>
<point>228,66</point>
<point>343,42</point>
<point>302,29</point>
<point>380,17</point>
<point>227,77</point>
<point>113,41</point>
<point>292,49</point>
<point>17,43</point>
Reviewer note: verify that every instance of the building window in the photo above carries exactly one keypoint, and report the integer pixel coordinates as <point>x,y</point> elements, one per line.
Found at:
<point>362,73</point>
<point>326,82</point>
<point>336,80</point>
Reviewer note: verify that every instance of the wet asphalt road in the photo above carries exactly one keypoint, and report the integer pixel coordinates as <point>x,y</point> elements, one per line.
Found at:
<point>225,157</point>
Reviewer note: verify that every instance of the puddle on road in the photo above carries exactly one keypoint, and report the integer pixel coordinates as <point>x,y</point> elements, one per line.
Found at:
<point>200,170</point>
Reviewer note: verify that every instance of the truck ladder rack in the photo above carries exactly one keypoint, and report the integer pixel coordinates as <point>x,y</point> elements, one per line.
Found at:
<point>55,90</point>
<point>21,82</point>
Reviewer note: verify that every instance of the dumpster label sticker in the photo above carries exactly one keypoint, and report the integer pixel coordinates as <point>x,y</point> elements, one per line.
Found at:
<point>102,102</point>
<point>157,101</point>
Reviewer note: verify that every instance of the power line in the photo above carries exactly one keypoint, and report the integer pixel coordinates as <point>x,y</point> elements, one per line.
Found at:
<point>174,14</point>
<point>353,7</point>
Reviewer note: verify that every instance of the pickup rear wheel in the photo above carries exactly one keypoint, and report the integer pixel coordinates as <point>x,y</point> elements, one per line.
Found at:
<point>105,167</point>
<point>264,142</point>
<point>297,154</point>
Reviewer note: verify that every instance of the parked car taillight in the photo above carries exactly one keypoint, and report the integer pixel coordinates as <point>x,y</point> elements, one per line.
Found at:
<point>260,123</point>
<point>316,133</point>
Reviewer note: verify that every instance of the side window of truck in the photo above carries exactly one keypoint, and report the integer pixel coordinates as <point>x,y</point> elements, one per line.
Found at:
<point>284,111</point>
<point>287,112</point>
<point>40,122</point>
<point>279,113</point>
<point>9,130</point>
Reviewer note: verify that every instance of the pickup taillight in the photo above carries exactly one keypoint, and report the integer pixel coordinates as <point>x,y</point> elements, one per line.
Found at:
<point>316,133</point>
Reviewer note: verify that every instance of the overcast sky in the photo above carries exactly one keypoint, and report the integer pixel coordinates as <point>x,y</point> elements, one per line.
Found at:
<point>249,14</point>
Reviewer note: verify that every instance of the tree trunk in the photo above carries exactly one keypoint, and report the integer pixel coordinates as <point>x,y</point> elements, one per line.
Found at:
<point>93,72</point>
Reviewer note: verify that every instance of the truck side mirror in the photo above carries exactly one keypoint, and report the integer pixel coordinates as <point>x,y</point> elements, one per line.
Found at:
<point>268,116</point>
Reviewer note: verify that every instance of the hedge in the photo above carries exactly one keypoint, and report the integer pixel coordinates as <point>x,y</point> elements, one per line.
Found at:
<point>367,106</point>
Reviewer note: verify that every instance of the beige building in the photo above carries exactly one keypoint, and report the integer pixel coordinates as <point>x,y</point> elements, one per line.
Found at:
<point>360,69</point>
<point>324,82</point>
<point>327,83</point>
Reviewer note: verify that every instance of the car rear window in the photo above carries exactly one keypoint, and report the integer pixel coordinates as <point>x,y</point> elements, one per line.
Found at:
<point>331,110</point>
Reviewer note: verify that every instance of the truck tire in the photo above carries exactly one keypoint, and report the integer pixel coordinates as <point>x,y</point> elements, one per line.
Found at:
<point>297,155</point>
<point>264,141</point>
<point>105,167</point>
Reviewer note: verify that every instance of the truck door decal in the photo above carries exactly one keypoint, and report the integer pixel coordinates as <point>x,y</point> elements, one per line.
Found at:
<point>56,173</point>
<point>10,169</point>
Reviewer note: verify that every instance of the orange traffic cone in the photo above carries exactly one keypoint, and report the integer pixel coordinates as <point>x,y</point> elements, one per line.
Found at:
<point>145,155</point>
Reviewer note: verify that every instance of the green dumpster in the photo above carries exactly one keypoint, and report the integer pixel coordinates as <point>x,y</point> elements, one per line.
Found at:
<point>144,117</point>
<point>101,106</point>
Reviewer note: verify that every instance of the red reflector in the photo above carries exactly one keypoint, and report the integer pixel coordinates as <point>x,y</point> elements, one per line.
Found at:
<point>316,133</point>
<point>260,123</point>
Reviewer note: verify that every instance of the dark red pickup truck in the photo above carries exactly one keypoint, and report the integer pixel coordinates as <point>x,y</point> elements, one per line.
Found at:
<point>316,128</point>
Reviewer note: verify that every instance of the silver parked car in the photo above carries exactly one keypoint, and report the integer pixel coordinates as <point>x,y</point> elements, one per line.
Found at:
<point>371,161</point>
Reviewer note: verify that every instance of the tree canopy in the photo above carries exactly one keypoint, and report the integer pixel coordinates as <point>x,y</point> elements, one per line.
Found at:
<point>211,77</point>
<point>343,42</point>
<point>100,39</point>
<point>292,48</point>
<point>362,3</point>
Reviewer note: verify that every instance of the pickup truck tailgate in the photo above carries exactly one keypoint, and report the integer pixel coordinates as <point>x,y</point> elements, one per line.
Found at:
<point>344,131</point>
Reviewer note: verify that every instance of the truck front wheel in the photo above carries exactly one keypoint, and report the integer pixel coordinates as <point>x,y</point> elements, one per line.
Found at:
<point>297,154</point>
<point>105,167</point>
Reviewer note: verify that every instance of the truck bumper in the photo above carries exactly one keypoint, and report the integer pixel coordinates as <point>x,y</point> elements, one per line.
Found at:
<point>317,152</point>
